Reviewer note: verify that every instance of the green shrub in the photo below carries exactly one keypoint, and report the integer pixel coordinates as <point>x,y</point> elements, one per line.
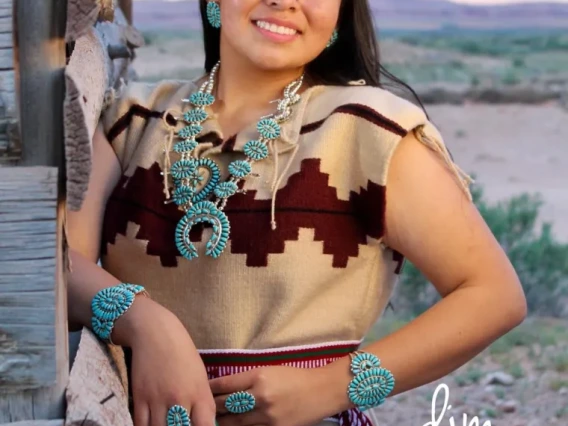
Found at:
<point>540,261</point>
<point>519,62</point>
<point>510,78</point>
<point>516,370</point>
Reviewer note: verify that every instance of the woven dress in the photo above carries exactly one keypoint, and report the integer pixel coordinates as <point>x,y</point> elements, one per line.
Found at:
<point>303,294</point>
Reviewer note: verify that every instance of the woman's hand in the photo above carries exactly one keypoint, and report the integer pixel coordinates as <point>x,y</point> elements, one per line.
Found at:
<point>166,367</point>
<point>285,396</point>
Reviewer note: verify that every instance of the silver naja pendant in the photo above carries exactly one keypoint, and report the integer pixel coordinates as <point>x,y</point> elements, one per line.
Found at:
<point>203,212</point>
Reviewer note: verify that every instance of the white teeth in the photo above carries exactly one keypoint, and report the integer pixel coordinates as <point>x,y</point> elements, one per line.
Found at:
<point>277,29</point>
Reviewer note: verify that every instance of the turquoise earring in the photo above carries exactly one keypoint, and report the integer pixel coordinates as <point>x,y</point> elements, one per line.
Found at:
<point>214,14</point>
<point>333,39</point>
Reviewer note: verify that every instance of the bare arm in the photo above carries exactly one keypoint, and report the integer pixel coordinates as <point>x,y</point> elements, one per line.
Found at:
<point>84,232</point>
<point>439,230</point>
<point>166,367</point>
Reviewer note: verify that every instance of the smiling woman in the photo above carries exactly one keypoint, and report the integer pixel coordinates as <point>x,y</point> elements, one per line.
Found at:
<point>267,207</point>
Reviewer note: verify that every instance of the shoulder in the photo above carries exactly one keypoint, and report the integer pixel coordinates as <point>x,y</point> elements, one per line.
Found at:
<point>150,94</point>
<point>367,105</point>
<point>137,102</point>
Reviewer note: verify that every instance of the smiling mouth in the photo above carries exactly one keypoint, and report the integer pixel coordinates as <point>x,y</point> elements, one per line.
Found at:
<point>276,29</point>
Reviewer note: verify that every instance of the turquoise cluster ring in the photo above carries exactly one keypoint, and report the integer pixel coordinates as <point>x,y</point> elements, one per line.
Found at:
<point>240,402</point>
<point>178,416</point>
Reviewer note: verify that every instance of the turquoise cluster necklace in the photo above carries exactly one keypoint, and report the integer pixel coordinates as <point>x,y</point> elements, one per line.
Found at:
<point>206,204</point>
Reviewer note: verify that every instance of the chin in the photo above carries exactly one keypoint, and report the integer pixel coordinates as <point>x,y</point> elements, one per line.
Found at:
<point>274,61</point>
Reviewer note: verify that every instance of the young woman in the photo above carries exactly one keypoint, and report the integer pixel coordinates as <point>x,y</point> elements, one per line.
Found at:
<point>267,209</point>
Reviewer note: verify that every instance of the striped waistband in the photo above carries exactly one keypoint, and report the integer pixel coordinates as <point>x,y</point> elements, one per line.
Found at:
<point>221,363</point>
<point>298,356</point>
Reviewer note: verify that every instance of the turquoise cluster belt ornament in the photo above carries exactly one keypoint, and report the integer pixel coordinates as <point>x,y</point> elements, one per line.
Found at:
<point>240,402</point>
<point>371,384</point>
<point>178,416</point>
<point>204,200</point>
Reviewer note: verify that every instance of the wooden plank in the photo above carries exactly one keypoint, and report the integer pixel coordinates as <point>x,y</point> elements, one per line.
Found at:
<point>127,8</point>
<point>27,284</point>
<point>9,132</point>
<point>100,398</point>
<point>38,181</point>
<point>42,60</point>
<point>59,422</point>
<point>18,316</point>
<point>93,77</point>
<point>22,368</point>
<point>81,16</point>
<point>40,374</point>
<point>6,24</point>
<point>7,81</point>
<point>6,58</point>
<point>6,40</point>
<point>87,80</point>
<point>26,299</point>
<point>31,337</point>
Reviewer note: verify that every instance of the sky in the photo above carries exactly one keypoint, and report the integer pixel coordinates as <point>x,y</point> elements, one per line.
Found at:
<point>506,1</point>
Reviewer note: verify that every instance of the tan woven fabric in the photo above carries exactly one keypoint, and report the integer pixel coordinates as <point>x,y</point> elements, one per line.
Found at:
<point>323,274</point>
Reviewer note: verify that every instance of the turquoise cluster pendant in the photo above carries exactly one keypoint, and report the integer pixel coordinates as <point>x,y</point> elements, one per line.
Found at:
<point>206,204</point>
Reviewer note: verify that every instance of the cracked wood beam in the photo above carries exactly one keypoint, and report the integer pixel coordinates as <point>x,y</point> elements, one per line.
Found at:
<point>97,70</point>
<point>100,398</point>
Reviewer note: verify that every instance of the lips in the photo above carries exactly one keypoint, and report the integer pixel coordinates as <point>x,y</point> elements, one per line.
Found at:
<point>275,28</point>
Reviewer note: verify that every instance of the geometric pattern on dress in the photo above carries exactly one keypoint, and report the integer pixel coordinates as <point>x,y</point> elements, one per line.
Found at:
<point>306,201</point>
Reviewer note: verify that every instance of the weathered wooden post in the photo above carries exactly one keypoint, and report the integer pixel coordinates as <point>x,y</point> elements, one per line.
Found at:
<point>50,103</point>
<point>33,323</point>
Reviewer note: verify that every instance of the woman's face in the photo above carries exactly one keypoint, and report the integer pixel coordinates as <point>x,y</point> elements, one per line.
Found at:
<point>277,34</point>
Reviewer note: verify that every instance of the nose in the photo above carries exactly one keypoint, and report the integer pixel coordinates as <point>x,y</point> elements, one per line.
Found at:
<point>283,4</point>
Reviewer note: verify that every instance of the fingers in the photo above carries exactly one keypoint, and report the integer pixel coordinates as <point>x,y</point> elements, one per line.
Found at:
<point>220,405</point>
<point>203,415</point>
<point>158,415</point>
<point>233,383</point>
<point>141,415</point>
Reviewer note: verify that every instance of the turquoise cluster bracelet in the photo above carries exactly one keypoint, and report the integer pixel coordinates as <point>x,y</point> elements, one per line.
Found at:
<point>371,384</point>
<point>111,303</point>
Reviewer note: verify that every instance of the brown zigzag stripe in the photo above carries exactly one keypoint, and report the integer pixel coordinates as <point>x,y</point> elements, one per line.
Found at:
<point>357,110</point>
<point>307,201</point>
<point>135,111</point>
<point>139,111</point>
<point>363,112</point>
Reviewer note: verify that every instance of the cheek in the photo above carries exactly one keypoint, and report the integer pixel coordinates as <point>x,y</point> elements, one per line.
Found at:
<point>322,18</point>
<point>235,12</point>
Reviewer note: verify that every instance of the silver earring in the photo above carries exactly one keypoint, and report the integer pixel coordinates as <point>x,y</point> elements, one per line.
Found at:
<point>214,14</point>
<point>333,39</point>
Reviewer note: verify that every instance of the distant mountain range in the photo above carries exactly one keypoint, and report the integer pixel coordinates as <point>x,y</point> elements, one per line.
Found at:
<point>389,14</point>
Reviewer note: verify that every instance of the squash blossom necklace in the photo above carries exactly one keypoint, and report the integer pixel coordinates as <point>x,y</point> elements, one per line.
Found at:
<point>206,205</point>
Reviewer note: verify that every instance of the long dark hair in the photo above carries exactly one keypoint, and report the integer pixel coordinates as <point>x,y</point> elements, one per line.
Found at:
<point>354,56</point>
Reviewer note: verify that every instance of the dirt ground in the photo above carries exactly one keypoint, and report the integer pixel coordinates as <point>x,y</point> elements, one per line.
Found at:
<point>512,149</point>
